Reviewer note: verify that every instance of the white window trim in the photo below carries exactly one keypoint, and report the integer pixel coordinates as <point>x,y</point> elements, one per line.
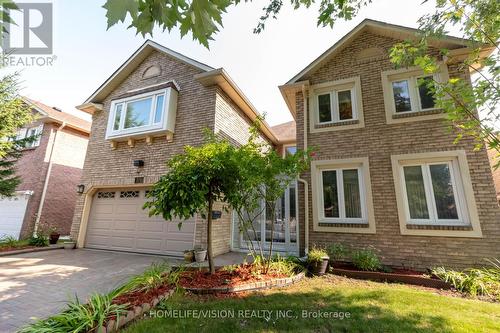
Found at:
<point>464,195</point>
<point>362,164</point>
<point>411,75</point>
<point>340,194</point>
<point>22,133</point>
<point>333,87</point>
<point>285,146</point>
<point>166,123</point>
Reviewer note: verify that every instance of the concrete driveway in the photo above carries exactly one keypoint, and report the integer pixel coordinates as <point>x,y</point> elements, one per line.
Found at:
<point>36,285</point>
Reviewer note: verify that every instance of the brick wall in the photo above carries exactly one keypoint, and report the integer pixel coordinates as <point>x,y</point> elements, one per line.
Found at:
<point>68,157</point>
<point>379,141</point>
<point>196,110</point>
<point>32,168</point>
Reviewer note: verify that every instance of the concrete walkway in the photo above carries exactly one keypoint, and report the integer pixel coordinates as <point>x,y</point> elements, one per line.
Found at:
<point>39,284</point>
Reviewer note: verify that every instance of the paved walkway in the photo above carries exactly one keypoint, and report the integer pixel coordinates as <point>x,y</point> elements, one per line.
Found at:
<point>38,284</point>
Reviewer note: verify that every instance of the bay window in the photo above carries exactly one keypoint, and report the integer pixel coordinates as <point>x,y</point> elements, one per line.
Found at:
<point>145,114</point>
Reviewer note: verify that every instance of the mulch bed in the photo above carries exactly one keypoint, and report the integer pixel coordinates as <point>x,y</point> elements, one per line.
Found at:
<point>137,298</point>
<point>243,274</point>
<point>16,248</point>
<point>398,275</point>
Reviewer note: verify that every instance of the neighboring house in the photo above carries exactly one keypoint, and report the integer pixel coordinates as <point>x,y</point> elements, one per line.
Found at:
<point>50,169</point>
<point>386,172</point>
<point>156,103</point>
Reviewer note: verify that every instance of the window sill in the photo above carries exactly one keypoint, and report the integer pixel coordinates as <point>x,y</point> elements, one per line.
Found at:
<point>343,225</point>
<point>337,124</point>
<point>416,114</point>
<point>459,227</point>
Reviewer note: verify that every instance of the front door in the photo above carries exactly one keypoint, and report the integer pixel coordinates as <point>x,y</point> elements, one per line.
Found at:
<point>281,232</point>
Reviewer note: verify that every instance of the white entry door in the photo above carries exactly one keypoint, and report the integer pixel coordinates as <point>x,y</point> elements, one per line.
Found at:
<point>12,211</point>
<point>282,231</point>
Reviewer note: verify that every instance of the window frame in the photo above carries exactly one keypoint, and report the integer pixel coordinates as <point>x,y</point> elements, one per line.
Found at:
<point>353,85</point>
<point>349,225</point>
<point>342,219</point>
<point>415,100</point>
<point>166,122</point>
<point>429,193</point>
<point>464,196</point>
<point>26,130</point>
<point>411,75</point>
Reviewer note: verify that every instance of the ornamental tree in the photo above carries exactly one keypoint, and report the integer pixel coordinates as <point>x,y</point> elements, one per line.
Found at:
<point>195,180</point>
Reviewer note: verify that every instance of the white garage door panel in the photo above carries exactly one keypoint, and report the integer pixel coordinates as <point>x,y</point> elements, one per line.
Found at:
<point>118,222</point>
<point>12,212</point>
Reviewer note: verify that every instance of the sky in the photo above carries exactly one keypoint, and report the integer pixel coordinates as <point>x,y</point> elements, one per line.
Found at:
<point>87,54</point>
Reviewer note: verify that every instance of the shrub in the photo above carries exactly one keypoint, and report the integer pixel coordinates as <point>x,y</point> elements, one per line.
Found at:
<point>276,264</point>
<point>39,240</point>
<point>79,317</point>
<point>8,241</point>
<point>316,254</point>
<point>366,260</point>
<point>337,251</point>
<point>474,281</point>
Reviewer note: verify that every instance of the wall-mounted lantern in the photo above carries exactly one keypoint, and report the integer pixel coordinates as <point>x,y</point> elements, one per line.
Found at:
<point>80,189</point>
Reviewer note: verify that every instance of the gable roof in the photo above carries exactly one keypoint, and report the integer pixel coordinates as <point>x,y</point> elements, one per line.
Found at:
<point>383,29</point>
<point>131,64</point>
<point>57,116</point>
<point>286,132</point>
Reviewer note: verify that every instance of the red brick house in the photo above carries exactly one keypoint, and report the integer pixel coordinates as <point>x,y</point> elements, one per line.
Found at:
<point>50,170</point>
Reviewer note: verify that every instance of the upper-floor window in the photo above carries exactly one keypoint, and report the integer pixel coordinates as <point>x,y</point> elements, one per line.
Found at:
<point>146,113</point>
<point>412,94</point>
<point>408,95</point>
<point>289,150</point>
<point>336,105</point>
<point>29,132</point>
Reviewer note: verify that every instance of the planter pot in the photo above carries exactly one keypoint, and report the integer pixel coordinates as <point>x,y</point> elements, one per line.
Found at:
<point>320,267</point>
<point>189,256</point>
<point>53,238</point>
<point>69,245</point>
<point>200,255</point>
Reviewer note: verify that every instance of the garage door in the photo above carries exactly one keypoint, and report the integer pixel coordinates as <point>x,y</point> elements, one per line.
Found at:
<point>12,212</point>
<point>118,222</point>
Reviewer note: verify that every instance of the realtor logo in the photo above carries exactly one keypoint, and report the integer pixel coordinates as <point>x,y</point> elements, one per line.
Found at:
<point>31,29</point>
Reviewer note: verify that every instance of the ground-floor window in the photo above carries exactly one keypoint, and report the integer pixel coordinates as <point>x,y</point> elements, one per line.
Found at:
<point>434,194</point>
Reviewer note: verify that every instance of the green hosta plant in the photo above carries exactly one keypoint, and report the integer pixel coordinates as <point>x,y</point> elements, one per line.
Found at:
<point>366,260</point>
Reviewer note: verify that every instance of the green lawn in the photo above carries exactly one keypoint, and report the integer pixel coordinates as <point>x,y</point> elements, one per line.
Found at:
<point>373,307</point>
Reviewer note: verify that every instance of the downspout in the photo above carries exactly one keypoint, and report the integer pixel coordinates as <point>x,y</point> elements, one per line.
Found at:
<point>303,181</point>
<point>46,183</point>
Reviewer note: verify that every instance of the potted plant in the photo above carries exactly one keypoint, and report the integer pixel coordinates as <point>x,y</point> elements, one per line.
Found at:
<point>318,260</point>
<point>69,244</point>
<point>53,235</point>
<point>200,255</point>
<point>188,256</point>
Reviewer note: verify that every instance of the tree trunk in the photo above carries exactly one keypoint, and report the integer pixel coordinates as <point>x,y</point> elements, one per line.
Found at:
<point>211,265</point>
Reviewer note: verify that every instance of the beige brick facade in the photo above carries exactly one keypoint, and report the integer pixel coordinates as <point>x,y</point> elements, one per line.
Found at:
<point>198,107</point>
<point>378,141</point>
